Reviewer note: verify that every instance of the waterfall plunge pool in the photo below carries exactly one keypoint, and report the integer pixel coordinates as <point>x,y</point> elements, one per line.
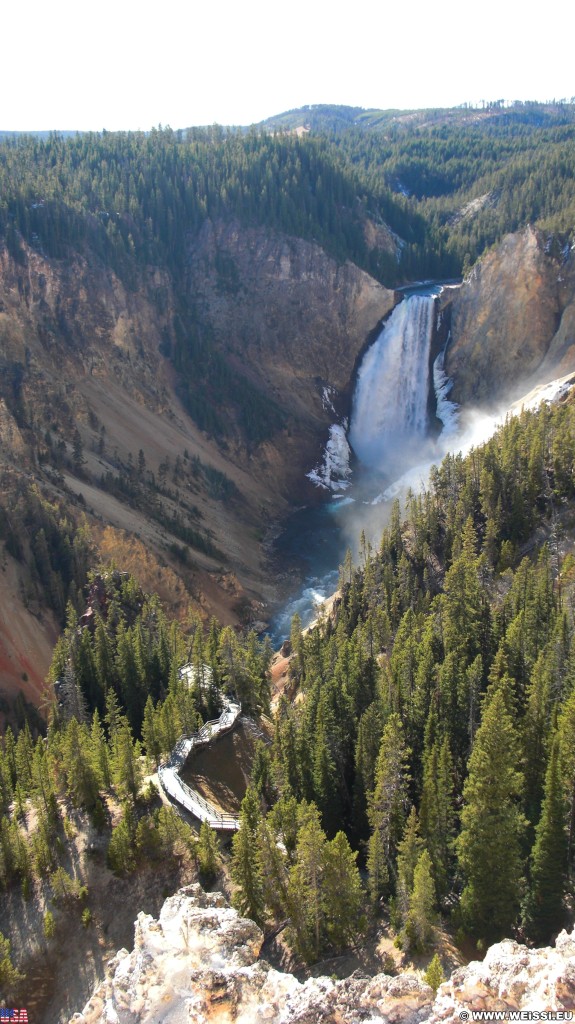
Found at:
<point>398,454</point>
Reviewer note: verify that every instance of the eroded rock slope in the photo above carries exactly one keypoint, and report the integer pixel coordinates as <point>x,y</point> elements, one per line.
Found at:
<point>513,320</point>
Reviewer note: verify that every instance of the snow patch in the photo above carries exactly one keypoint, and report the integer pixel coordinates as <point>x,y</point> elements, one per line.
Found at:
<point>327,394</point>
<point>446,411</point>
<point>334,473</point>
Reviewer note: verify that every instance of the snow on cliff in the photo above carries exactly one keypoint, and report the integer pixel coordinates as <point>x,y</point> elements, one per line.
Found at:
<point>334,471</point>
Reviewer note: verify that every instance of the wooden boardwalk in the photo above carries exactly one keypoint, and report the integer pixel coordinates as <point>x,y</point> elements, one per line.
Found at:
<point>169,771</point>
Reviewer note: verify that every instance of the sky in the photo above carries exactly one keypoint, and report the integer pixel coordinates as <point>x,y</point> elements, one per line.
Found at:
<point>117,64</point>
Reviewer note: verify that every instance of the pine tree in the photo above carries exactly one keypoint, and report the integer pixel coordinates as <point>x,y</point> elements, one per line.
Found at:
<point>325,775</point>
<point>366,753</point>
<point>246,867</point>
<point>23,752</point>
<point>388,807</point>
<point>41,785</point>
<point>492,826</point>
<point>342,894</point>
<point>284,818</point>
<point>126,766</point>
<point>103,657</point>
<point>544,912</point>
<point>49,925</point>
<point>150,733</point>
<point>305,899</point>
<point>207,852</point>
<point>120,855</point>
<point>287,769</point>
<point>566,730</point>
<point>99,753</point>
<point>261,774</point>
<point>274,869</point>
<point>297,661</point>
<point>6,788</point>
<point>437,814</point>
<point>9,975</point>
<point>81,778</point>
<point>434,975</point>
<point>408,854</point>
<point>420,918</point>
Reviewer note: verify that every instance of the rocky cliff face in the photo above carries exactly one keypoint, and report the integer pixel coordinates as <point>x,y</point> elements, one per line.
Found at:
<point>513,320</point>
<point>296,313</point>
<point>290,315</point>
<point>199,963</point>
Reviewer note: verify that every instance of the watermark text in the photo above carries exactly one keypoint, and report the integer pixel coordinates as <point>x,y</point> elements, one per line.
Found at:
<point>479,1015</point>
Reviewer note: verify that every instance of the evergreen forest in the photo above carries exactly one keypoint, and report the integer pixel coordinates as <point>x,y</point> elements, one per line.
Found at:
<point>426,774</point>
<point>420,771</point>
<point>449,185</point>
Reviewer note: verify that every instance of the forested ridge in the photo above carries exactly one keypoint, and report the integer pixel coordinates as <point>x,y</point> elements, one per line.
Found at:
<point>436,731</point>
<point>427,771</point>
<point>134,198</point>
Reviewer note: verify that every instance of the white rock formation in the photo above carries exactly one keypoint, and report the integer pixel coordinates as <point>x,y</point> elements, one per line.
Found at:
<point>512,977</point>
<point>198,964</point>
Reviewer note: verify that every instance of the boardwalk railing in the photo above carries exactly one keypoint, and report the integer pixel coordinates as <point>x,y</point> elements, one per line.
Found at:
<point>169,771</point>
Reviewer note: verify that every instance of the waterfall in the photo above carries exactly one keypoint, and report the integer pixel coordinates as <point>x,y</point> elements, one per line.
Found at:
<point>389,418</point>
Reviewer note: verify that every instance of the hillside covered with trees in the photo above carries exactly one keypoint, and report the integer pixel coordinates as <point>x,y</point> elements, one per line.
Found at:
<point>435,737</point>
<point>449,183</point>
<point>426,771</point>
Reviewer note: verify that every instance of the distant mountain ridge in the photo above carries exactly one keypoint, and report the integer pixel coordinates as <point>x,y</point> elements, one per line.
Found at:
<point>333,117</point>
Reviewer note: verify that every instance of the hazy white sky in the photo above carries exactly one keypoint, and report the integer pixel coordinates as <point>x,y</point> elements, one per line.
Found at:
<point>119,64</point>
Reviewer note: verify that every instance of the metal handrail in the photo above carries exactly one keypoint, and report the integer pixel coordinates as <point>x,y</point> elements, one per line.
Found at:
<point>210,730</point>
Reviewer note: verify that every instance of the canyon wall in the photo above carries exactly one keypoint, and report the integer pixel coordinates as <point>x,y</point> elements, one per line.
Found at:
<point>86,368</point>
<point>513,320</point>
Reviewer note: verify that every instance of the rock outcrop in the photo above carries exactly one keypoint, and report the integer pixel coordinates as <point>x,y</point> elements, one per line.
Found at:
<point>199,963</point>
<point>511,977</point>
<point>513,320</point>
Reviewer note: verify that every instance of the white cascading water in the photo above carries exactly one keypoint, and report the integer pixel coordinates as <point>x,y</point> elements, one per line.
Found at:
<point>389,433</point>
<point>389,418</point>
<point>447,411</point>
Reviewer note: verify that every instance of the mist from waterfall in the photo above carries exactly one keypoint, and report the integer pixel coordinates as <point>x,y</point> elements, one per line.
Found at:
<point>390,416</point>
<point>390,434</point>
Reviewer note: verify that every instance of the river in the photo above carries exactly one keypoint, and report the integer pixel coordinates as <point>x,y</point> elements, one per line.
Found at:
<point>402,422</point>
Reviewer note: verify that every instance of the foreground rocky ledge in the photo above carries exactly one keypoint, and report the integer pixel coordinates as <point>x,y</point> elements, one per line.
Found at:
<point>198,963</point>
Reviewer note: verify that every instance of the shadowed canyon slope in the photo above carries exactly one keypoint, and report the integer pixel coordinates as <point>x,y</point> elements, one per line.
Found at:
<point>93,417</point>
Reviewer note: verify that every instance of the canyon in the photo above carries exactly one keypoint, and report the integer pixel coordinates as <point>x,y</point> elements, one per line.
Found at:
<point>166,413</point>
<point>81,352</point>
